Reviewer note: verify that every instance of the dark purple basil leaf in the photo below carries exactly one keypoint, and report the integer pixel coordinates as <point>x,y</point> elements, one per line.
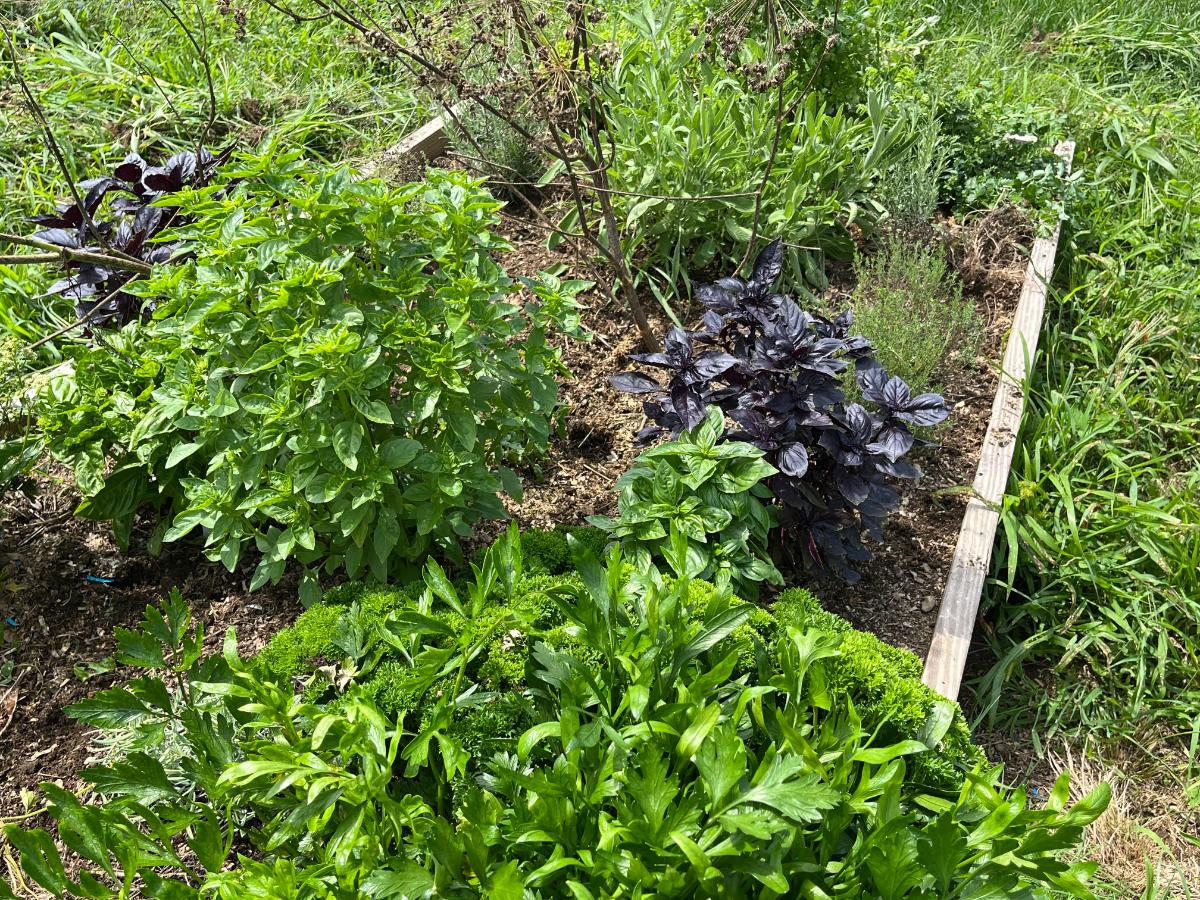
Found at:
<point>815,419</point>
<point>713,363</point>
<point>161,181</point>
<point>79,291</point>
<point>884,498</point>
<point>873,526</point>
<point>733,285</point>
<point>725,397</point>
<point>688,405</point>
<point>843,452</point>
<point>662,413</point>
<point>855,552</point>
<point>148,218</point>
<point>96,189</point>
<point>871,377</point>
<point>89,274</point>
<point>828,394</point>
<point>714,322</point>
<point>131,169</point>
<point>754,422</point>
<point>648,434</point>
<point>677,339</point>
<point>928,409</point>
<point>61,286</point>
<point>634,383</point>
<point>792,460</point>
<point>767,267</point>
<point>901,468</point>
<point>860,423</point>
<point>851,486</point>
<point>893,442</point>
<point>182,166</point>
<point>51,221</point>
<point>828,347</point>
<point>652,359</point>
<point>895,394</point>
<point>715,297</point>
<point>791,324</point>
<point>135,244</point>
<point>859,349</point>
<point>60,237</point>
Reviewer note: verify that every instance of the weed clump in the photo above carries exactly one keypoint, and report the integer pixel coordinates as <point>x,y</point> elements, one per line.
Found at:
<point>909,306</point>
<point>910,191</point>
<point>494,149</point>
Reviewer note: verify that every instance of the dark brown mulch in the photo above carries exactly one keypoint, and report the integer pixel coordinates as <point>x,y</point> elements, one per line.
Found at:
<point>69,587</point>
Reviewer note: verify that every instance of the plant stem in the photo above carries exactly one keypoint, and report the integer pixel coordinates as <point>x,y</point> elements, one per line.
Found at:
<point>27,259</point>
<point>71,254</point>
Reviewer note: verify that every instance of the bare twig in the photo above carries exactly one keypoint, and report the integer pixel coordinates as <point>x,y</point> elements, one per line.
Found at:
<point>202,55</point>
<point>64,254</point>
<point>293,15</point>
<point>596,124</point>
<point>782,116</point>
<point>51,142</point>
<point>12,692</point>
<point>25,259</point>
<point>146,71</point>
<point>82,320</point>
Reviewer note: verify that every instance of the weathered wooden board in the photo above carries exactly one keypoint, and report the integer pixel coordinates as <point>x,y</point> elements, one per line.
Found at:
<point>973,554</point>
<point>427,143</point>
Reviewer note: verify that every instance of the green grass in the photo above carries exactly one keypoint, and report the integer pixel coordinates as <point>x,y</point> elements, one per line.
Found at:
<point>1096,595</point>
<point>115,76</point>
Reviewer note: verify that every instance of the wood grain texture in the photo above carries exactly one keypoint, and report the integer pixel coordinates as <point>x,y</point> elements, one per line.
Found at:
<point>429,141</point>
<point>425,144</point>
<point>947,655</point>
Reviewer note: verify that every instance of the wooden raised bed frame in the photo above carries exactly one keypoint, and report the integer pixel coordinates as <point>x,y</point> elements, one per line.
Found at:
<point>947,656</point>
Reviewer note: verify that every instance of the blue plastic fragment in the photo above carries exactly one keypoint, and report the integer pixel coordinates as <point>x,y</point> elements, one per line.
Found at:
<point>94,579</point>
<point>12,623</point>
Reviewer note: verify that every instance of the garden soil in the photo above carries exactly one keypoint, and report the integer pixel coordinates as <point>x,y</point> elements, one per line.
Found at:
<point>898,595</point>
<point>69,585</point>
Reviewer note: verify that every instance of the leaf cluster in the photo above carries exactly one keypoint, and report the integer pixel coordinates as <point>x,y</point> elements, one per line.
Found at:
<point>131,231</point>
<point>333,639</point>
<point>712,492</point>
<point>996,152</point>
<point>342,374</point>
<point>910,305</point>
<point>651,765</point>
<point>777,373</point>
<point>692,142</point>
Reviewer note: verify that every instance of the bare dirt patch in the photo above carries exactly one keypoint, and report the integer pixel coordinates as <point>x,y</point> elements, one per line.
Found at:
<point>69,587</point>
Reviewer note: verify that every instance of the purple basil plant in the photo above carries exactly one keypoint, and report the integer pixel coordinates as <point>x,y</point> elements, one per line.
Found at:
<point>778,375</point>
